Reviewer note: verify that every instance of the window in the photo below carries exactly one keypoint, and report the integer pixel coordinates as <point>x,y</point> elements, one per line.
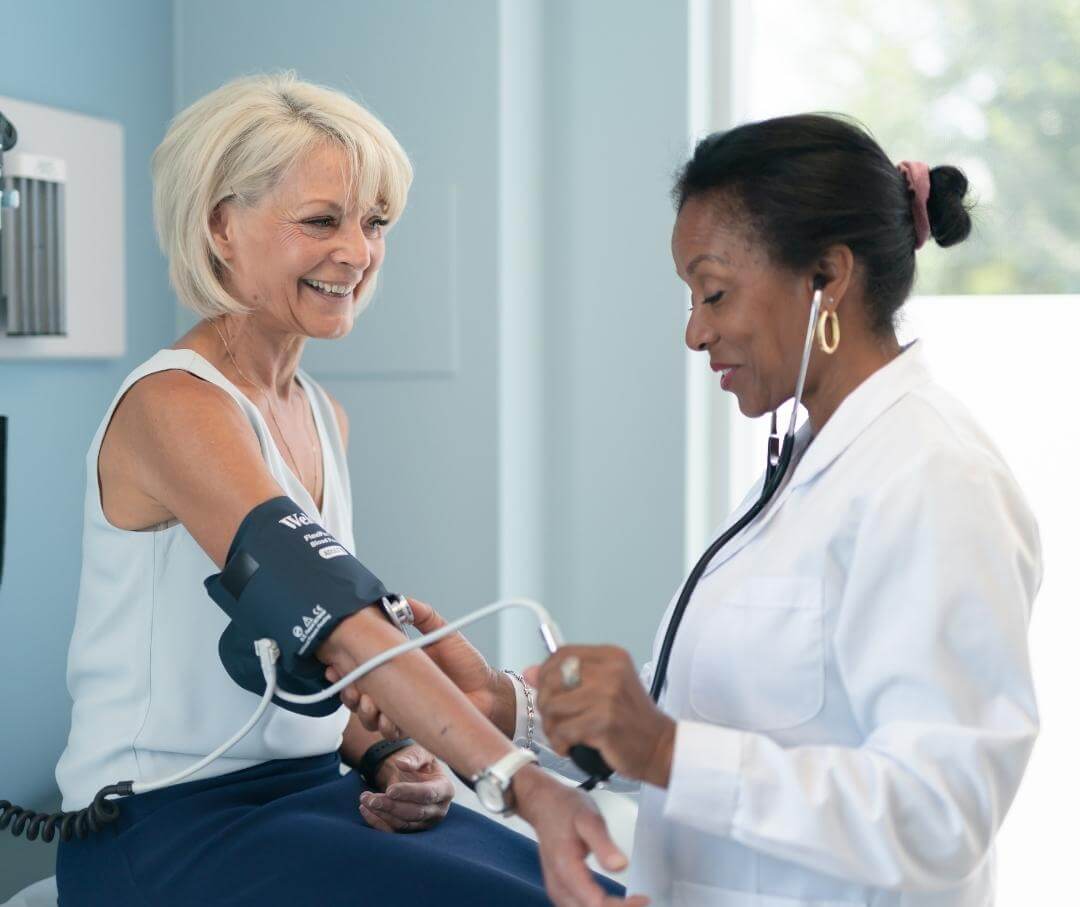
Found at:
<point>992,86</point>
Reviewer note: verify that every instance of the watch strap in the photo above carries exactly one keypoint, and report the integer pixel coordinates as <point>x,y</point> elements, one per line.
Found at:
<point>509,765</point>
<point>502,772</point>
<point>376,753</point>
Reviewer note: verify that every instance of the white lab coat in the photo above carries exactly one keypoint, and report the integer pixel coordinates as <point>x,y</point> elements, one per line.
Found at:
<point>851,679</point>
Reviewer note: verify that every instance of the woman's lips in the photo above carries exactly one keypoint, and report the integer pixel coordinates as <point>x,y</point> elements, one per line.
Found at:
<point>332,297</point>
<point>726,370</point>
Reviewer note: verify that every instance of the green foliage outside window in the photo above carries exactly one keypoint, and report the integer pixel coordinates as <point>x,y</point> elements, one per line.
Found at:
<point>992,86</point>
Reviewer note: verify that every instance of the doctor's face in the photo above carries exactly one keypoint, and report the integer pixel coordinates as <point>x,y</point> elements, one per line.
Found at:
<point>746,313</point>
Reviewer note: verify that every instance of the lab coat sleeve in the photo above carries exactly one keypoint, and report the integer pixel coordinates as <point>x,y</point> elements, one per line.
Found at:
<point>931,646</point>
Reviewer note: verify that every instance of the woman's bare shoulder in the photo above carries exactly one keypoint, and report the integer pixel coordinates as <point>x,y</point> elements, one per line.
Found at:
<point>179,447</point>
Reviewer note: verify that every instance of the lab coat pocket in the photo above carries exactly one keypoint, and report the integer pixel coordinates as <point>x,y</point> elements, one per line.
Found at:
<point>759,663</point>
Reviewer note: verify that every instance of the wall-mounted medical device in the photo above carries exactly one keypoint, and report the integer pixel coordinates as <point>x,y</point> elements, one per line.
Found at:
<point>33,295</point>
<point>62,268</point>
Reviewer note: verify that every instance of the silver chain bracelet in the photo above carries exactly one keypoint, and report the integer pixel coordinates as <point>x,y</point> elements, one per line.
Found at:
<point>530,712</point>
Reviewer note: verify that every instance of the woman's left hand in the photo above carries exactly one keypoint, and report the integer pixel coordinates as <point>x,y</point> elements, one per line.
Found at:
<point>415,792</point>
<point>609,710</point>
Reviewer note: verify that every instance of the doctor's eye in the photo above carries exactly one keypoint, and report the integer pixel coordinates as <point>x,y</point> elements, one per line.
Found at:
<point>709,300</point>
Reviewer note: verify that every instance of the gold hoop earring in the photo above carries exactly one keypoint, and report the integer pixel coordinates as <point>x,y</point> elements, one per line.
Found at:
<point>833,321</point>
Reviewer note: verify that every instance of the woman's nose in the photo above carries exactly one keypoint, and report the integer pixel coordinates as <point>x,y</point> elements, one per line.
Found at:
<point>699,333</point>
<point>354,249</point>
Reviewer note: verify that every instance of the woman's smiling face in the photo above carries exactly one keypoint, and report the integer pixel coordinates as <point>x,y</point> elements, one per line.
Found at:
<point>304,257</point>
<point>747,313</point>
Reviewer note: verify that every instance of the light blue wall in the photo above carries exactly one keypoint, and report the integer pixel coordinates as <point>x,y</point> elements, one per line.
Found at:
<point>618,113</point>
<point>111,59</point>
<point>594,121</point>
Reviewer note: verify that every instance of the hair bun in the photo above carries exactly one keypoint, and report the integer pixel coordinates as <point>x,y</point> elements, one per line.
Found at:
<point>950,220</point>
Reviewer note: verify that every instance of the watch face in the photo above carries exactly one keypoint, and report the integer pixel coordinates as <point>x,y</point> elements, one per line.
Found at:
<point>490,794</point>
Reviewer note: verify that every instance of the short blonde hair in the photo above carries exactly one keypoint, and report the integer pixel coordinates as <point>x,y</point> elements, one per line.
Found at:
<point>238,141</point>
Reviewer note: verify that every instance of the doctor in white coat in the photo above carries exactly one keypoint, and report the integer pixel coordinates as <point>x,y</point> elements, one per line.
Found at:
<point>848,708</point>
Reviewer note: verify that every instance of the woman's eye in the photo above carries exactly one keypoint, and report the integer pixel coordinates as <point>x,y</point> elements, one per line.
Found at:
<point>320,222</point>
<point>375,226</point>
<point>710,300</point>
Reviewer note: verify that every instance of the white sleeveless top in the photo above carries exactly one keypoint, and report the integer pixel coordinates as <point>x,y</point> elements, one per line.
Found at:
<point>150,693</point>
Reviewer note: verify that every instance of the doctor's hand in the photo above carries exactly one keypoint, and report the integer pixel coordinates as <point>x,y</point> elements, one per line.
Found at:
<point>415,793</point>
<point>569,827</point>
<point>609,710</point>
<point>491,691</point>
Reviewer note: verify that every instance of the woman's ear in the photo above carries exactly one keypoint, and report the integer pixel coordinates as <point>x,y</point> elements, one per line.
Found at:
<point>837,266</point>
<point>223,229</point>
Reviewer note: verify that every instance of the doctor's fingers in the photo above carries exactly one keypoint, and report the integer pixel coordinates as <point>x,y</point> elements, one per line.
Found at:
<point>425,618</point>
<point>372,717</point>
<point>585,728</point>
<point>366,709</point>
<point>593,662</point>
<point>350,696</point>
<point>561,705</point>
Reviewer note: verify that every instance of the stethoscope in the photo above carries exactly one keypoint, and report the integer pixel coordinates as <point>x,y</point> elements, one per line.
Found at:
<point>104,808</point>
<point>587,758</point>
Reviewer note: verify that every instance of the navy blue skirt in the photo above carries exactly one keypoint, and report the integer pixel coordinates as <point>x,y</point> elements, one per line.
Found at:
<point>289,833</point>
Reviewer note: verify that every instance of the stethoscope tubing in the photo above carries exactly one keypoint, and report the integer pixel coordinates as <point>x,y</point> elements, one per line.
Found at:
<point>774,477</point>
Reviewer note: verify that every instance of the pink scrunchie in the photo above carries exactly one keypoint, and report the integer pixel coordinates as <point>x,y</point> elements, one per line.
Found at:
<point>918,179</point>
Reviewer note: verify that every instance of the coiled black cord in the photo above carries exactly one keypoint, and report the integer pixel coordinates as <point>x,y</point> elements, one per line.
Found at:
<point>78,824</point>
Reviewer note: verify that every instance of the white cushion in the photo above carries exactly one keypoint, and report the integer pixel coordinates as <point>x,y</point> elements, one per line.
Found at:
<point>40,894</point>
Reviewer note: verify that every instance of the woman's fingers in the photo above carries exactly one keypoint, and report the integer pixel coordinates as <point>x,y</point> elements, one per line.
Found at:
<point>399,812</point>
<point>576,884</point>
<point>402,815</point>
<point>376,822</point>
<point>439,790</point>
<point>594,833</point>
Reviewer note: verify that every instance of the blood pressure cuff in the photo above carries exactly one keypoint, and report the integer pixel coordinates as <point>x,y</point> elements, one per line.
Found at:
<point>287,579</point>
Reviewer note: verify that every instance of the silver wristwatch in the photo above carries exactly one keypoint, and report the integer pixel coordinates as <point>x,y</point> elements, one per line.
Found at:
<point>492,785</point>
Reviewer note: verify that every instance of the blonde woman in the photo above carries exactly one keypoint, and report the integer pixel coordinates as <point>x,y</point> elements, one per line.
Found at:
<point>272,202</point>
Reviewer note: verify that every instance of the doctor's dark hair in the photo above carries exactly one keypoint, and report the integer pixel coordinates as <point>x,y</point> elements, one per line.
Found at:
<point>804,183</point>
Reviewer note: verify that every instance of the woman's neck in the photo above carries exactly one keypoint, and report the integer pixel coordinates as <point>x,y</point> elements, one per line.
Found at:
<point>838,375</point>
<point>261,354</point>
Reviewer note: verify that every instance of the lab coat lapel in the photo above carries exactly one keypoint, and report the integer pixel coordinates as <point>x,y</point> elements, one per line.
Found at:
<point>854,415</point>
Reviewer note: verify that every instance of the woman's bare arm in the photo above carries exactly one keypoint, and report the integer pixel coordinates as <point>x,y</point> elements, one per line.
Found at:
<point>180,447</point>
